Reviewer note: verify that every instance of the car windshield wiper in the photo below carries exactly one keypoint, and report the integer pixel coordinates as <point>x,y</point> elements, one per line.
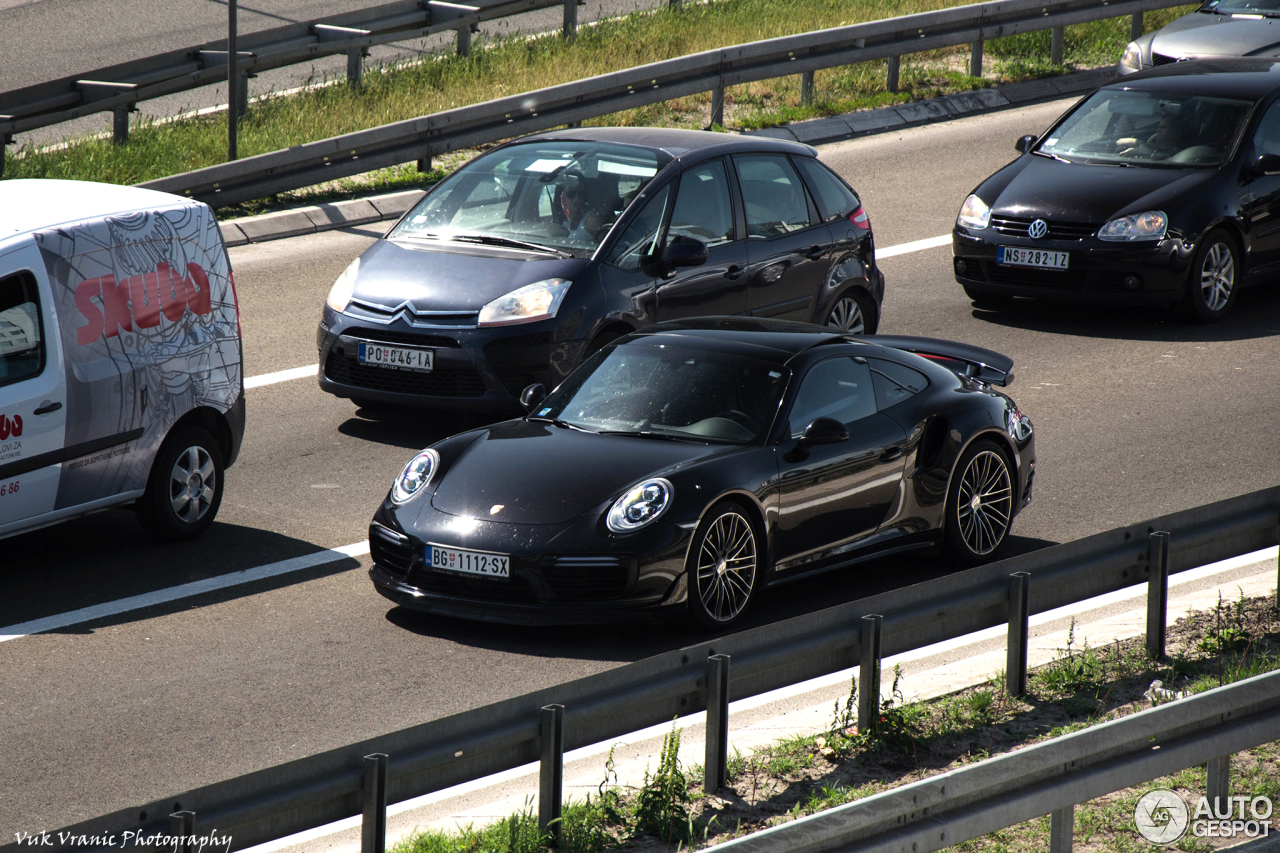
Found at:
<point>493,240</point>
<point>1054,156</point>
<point>661,436</point>
<point>556,422</point>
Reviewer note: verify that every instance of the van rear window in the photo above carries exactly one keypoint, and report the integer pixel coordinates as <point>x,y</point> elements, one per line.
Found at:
<point>21,346</point>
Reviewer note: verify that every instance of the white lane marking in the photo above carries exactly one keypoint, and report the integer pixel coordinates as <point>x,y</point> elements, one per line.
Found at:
<point>281,376</point>
<point>186,590</point>
<point>914,246</point>
<point>313,369</point>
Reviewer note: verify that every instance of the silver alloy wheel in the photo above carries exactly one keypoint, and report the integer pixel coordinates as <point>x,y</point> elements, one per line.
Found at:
<point>846,315</point>
<point>985,502</point>
<point>727,567</point>
<point>191,484</point>
<point>1217,276</point>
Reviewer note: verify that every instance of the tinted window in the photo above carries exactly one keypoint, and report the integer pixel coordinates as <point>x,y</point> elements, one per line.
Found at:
<point>773,195</point>
<point>21,346</point>
<point>834,199</point>
<point>895,382</point>
<point>837,388</point>
<point>703,210</point>
<point>640,240</point>
<point>1266,140</point>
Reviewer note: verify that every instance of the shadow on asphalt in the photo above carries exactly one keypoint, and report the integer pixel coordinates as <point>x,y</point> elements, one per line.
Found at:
<point>1256,314</point>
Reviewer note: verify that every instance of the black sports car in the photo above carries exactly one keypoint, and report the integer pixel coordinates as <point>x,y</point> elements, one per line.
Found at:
<point>1160,188</point>
<point>690,464</point>
<point>537,253</point>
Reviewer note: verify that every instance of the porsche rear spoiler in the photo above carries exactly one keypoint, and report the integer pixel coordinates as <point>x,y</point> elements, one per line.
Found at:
<point>967,360</point>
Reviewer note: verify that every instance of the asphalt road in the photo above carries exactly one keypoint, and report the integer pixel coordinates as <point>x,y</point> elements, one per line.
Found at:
<point>1137,413</point>
<point>51,39</point>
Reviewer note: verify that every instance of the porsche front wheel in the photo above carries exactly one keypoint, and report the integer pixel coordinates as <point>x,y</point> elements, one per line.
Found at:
<point>724,567</point>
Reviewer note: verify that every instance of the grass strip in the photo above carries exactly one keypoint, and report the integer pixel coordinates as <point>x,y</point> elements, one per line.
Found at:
<point>499,67</point>
<point>803,775</point>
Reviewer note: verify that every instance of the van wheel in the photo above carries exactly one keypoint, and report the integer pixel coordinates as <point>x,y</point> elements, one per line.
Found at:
<point>185,487</point>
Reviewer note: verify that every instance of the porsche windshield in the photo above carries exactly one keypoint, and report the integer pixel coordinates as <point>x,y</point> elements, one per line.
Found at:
<point>561,196</point>
<point>663,391</point>
<point>1154,129</point>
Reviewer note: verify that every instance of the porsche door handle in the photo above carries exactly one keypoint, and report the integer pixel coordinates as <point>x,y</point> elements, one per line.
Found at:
<point>47,408</point>
<point>891,454</point>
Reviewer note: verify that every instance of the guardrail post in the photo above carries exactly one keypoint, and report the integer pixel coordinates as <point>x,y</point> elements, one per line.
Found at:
<point>1061,829</point>
<point>1056,45</point>
<point>355,66</point>
<point>806,88</point>
<point>424,164</point>
<point>1218,789</point>
<point>373,827</point>
<point>1157,592</point>
<point>182,825</point>
<point>233,81</point>
<point>892,66</point>
<point>1015,669</point>
<point>975,59</point>
<point>5,141</point>
<point>1135,26</point>
<point>120,125</point>
<point>869,673</point>
<point>570,18</point>
<point>717,105</point>
<point>551,770</point>
<point>716,767</point>
<point>464,40</point>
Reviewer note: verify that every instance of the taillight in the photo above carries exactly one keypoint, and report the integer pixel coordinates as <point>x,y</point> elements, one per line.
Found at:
<point>236,299</point>
<point>860,219</point>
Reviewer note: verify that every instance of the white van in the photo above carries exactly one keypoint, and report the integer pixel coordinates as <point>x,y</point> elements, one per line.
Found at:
<point>120,358</point>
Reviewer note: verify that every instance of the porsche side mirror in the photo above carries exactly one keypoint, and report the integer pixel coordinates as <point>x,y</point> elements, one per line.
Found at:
<point>823,431</point>
<point>685,251</point>
<point>532,396</point>
<point>1024,143</point>
<point>1266,164</point>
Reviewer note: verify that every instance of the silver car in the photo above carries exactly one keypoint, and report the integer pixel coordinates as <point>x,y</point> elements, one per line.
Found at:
<point>1218,28</point>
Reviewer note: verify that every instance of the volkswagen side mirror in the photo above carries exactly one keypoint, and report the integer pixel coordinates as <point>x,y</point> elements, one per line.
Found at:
<point>533,396</point>
<point>1024,143</point>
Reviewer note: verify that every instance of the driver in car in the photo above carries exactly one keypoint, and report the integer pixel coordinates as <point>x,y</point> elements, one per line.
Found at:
<point>575,215</point>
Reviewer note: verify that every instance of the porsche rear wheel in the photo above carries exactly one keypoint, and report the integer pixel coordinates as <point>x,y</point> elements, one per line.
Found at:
<point>723,566</point>
<point>979,503</point>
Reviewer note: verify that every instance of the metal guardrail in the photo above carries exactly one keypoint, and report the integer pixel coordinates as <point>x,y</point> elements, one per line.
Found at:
<point>419,139</point>
<point>120,87</point>
<point>1046,778</point>
<point>313,791</point>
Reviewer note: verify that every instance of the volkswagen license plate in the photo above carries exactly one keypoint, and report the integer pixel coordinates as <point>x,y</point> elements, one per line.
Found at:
<point>402,358</point>
<point>1019,257</point>
<point>468,562</point>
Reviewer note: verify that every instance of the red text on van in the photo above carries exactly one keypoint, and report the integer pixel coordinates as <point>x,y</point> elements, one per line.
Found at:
<point>140,300</point>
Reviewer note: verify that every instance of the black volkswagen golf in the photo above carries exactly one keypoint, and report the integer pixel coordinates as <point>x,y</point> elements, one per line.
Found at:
<point>1160,188</point>
<point>539,252</point>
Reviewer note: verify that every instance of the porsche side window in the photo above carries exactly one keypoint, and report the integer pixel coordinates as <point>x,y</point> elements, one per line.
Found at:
<point>21,345</point>
<point>773,194</point>
<point>703,210</point>
<point>837,388</point>
<point>640,240</point>
<point>895,382</point>
<point>834,199</point>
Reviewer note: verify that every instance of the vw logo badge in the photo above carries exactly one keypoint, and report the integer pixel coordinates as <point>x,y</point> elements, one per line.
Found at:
<point>1037,229</point>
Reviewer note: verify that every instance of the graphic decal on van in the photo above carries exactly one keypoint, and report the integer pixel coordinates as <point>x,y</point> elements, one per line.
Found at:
<point>149,334</point>
<point>10,426</point>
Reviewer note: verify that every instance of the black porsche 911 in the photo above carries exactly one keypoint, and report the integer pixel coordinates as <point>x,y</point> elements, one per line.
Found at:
<point>1160,188</point>
<point>691,464</point>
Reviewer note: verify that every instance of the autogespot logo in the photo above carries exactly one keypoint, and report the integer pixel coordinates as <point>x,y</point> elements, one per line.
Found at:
<point>1162,817</point>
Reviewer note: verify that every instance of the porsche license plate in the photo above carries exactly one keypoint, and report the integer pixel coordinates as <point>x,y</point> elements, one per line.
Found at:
<point>468,562</point>
<point>1039,258</point>
<point>401,358</point>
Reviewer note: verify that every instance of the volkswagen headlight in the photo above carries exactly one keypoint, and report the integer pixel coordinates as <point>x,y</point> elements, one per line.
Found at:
<point>974,213</point>
<point>1132,57</point>
<point>415,476</point>
<point>640,505</point>
<point>537,301</point>
<point>1150,225</point>
<point>340,294</point>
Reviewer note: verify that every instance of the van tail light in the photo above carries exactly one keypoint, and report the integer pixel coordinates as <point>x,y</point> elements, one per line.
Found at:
<point>860,219</point>
<point>236,299</point>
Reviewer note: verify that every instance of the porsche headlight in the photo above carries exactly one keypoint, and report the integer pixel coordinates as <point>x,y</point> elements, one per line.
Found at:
<point>415,476</point>
<point>537,301</point>
<point>640,505</point>
<point>974,213</point>
<point>340,294</point>
<point>1132,57</point>
<point>1150,225</point>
